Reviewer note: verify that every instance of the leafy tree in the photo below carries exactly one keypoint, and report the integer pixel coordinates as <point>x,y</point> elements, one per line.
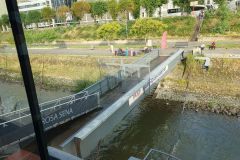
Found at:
<point>125,7</point>
<point>136,11</point>
<point>61,12</point>
<point>184,4</point>
<point>113,9</point>
<point>223,13</point>
<point>109,31</point>
<point>220,2</point>
<point>48,14</point>
<point>33,17</point>
<point>98,9</point>
<point>1,23</point>
<point>80,8</point>
<point>5,19</point>
<point>23,17</point>
<point>152,5</point>
<point>146,27</point>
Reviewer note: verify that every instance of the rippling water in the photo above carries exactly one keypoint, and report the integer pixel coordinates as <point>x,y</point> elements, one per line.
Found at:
<point>187,135</point>
<point>13,96</point>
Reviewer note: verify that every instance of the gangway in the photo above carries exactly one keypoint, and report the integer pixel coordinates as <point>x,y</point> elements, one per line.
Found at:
<point>155,154</point>
<point>17,125</point>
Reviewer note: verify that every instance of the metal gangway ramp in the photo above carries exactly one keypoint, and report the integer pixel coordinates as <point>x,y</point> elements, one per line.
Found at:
<point>17,125</point>
<point>155,154</point>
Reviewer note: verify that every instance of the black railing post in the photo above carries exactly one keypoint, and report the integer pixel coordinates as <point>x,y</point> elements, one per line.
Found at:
<point>21,46</point>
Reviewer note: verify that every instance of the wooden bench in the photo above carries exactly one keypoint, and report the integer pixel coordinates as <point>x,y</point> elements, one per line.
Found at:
<point>181,44</point>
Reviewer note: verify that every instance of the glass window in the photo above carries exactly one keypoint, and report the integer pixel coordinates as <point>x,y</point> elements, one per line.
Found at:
<point>16,128</point>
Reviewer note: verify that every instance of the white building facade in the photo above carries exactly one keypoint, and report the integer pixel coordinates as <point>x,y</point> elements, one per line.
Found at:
<point>165,10</point>
<point>32,5</point>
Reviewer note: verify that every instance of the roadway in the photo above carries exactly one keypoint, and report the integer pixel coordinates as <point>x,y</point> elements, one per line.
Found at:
<point>61,51</point>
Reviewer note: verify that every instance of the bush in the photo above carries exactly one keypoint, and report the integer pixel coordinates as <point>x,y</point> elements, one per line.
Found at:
<point>180,26</point>
<point>109,31</point>
<point>147,27</point>
<point>37,36</point>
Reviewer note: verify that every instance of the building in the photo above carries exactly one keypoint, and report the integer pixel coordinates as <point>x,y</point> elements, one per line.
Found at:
<point>33,5</point>
<point>30,5</point>
<point>165,10</point>
<point>3,8</point>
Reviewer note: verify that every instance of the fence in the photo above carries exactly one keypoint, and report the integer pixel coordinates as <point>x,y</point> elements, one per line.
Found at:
<point>16,126</point>
<point>154,154</point>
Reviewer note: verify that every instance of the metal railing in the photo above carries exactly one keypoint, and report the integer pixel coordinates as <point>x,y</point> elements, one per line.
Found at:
<point>154,154</point>
<point>48,107</point>
<point>52,103</point>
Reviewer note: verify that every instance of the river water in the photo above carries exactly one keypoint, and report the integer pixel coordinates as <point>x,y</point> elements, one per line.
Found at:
<point>13,96</point>
<point>164,126</point>
<point>155,124</point>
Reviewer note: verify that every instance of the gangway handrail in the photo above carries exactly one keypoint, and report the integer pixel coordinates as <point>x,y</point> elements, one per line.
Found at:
<point>12,120</point>
<point>161,152</point>
<point>27,108</point>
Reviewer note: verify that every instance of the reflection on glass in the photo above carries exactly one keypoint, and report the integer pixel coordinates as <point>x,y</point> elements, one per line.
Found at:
<point>16,130</point>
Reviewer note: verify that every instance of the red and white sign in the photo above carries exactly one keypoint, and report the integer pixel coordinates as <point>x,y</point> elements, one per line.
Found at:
<point>135,96</point>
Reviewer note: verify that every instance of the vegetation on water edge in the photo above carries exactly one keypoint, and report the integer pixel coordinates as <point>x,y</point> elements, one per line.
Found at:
<point>222,72</point>
<point>58,72</point>
<point>222,21</point>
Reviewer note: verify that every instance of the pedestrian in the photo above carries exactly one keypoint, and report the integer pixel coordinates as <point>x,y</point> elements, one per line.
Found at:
<point>213,45</point>
<point>126,52</point>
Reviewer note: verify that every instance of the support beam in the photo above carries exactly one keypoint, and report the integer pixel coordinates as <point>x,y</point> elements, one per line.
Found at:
<point>20,42</point>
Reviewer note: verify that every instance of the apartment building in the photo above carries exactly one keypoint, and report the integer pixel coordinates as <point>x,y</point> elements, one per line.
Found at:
<point>3,8</point>
<point>30,5</point>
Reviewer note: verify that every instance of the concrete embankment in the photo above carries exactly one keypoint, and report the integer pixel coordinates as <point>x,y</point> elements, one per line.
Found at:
<point>216,90</point>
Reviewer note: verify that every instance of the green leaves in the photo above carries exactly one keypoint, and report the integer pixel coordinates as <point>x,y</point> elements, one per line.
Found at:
<point>152,5</point>
<point>61,12</point>
<point>113,9</point>
<point>145,28</point>
<point>5,19</point>
<point>80,8</point>
<point>48,13</point>
<point>33,17</point>
<point>98,9</point>
<point>109,31</point>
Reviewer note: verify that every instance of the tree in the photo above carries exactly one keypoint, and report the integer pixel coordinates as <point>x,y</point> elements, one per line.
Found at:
<point>220,2</point>
<point>136,11</point>
<point>48,14</point>
<point>223,13</point>
<point>80,8</point>
<point>23,17</point>
<point>183,4</point>
<point>98,9</point>
<point>61,12</point>
<point>152,5</point>
<point>5,19</point>
<point>109,31</point>
<point>126,7</point>
<point>113,9</point>
<point>146,28</point>
<point>33,17</point>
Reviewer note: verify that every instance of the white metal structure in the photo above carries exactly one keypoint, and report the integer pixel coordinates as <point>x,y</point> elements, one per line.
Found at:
<point>33,5</point>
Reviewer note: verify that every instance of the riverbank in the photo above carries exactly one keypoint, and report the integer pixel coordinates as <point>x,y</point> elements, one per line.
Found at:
<point>65,72</point>
<point>216,90</point>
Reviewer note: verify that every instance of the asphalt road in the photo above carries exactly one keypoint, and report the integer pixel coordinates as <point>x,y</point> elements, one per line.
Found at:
<point>74,51</point>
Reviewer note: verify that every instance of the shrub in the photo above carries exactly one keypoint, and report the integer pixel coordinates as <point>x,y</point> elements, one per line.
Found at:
<point>109,31</point>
